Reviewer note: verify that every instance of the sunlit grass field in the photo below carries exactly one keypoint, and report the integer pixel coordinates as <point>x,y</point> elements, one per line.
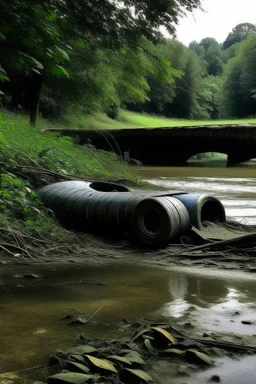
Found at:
<point>127,119</point>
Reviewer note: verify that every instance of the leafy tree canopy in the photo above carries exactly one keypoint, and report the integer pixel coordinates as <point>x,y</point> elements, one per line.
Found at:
<point>238,34</point>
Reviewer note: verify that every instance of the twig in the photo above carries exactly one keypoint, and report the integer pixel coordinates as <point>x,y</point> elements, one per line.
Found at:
<point>230,242</point>
<point>16,247</point>
<point>6,250</point>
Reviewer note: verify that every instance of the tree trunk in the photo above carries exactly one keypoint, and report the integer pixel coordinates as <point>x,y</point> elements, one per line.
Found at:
<point>34,97</point>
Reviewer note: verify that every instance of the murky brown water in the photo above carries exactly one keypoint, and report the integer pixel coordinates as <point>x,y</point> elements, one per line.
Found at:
<point>236,186</point>
<point>30,319</point>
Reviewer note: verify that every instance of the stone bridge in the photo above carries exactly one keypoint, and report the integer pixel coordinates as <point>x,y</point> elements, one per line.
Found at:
<point>173,145</point>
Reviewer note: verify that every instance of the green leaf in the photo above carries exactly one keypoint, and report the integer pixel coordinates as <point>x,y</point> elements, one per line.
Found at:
<point>77,367</point>
<point>2,93</point>
<point>69,378</point>
<point>80,349</point>
<point>3,75</point>
<point>120,359</point>
<point>148,345</point>
<point>142,375</point>
<point>36,71</point>
<point>59,71</point>
<point>51,16</point>
<point>2,36</point>
<point>198,357</point>
<point>63,54</point>
<point>135,357</point>
<point>38,64</point>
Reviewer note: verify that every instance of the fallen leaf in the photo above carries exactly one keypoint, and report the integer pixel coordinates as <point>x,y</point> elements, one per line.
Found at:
<point>135,357</point>
<point>82,349</point>
<point>121,359</point>
<point>69,378</point>
<point>164,333</point>
<point>77,367</point>
<point>148,345</point>
<point>101,363</point>
<point>198,357</point>
<point>141,375</point>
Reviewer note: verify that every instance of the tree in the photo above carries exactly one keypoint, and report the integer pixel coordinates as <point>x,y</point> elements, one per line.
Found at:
<point>238,34</point>
<point>210,52</point>
<point>184,96</point>
<point>35,35</point>
<point>30,47</point>
<point>239,82</point>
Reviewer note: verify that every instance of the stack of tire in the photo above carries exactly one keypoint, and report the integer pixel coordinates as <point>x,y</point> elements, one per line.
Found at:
<point>152,219</point>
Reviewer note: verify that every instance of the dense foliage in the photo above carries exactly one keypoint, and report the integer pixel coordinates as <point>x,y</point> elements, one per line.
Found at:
<point>95,56</point>
<point>100,45</point>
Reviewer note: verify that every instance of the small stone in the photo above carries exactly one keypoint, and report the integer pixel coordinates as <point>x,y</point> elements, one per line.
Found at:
<point>232,321</point>
<point>245,322</point>
<point>215,379</point>
<point>236,313</point>
<point>188,325</point>
<point>206,335</point>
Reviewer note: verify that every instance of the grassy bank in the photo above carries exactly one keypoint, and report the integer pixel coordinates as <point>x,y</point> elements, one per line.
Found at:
<point>128,119</point>
<point>29,159</point>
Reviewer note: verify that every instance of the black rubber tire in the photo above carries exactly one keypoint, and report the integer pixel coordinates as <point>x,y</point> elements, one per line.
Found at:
<point>156,222</point>
<point>203,208</point>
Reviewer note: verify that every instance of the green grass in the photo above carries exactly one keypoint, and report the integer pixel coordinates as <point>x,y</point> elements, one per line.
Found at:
<point>144,120</point>
<point>57,153</point>
<point>127,119</point>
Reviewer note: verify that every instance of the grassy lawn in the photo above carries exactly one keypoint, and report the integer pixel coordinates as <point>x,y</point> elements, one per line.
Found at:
<point>128,119</point>
<point>143,120</point>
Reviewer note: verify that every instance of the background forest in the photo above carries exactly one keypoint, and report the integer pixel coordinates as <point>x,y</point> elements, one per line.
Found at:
<point>81,58</point>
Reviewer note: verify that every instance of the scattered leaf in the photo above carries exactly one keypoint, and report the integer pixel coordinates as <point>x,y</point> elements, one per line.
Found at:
<point>164,333</point>
<point>172,351</point>
<point>148,345</point>
<point>69,378</point>
<point>77,367</point>
<point>141,375</point>
<point>120,359</point>
<point>198,357</point>
<point>102,364</point>
<point>82,349</point>
<point>134,357</point>
<point>78,358</point>
<point>139,334</point>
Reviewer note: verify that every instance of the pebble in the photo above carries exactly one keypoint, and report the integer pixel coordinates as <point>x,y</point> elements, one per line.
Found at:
<point>215,379</point>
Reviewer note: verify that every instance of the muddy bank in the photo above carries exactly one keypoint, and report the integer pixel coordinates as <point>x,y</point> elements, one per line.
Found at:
<point>198,248</point>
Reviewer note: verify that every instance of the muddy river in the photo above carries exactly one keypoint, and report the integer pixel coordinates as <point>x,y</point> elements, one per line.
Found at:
<point>31,324</point>
<point>235,186</point>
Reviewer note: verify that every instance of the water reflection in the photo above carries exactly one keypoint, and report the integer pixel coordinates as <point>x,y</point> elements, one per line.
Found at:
<point>229,371</point>
<point>30,320</point>
<point>215,304</point>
